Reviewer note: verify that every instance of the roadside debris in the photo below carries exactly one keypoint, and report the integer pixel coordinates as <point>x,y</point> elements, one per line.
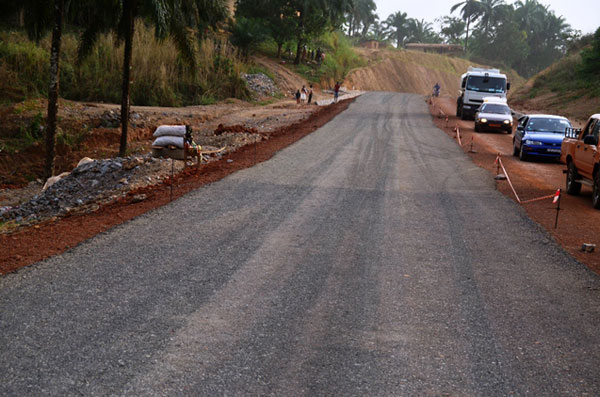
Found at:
<point>588,247</point>
<point>91,183</point>
<point>260,84</point>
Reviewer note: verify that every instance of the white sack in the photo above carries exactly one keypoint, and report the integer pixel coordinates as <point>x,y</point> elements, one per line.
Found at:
<point>167,140</point>
<point>173,130</point>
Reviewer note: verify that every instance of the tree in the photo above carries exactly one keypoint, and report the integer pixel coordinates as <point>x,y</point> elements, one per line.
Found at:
<point>452,29</point>
<point>59,12</point>
<point>420,31</point>
<point>490,12</point>
<point>397,25</point>
<point>591,56</point>
<point>247,33</point>
<point>360,16</point>
<point>172,18</point>
<point>278,16</point>
<point>470,11</point>
<point>314,17</point>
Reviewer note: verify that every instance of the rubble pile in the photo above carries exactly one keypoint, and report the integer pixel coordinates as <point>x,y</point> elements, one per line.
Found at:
<point>261,84</point>
<point>87,186</point>
<point>112,119</point>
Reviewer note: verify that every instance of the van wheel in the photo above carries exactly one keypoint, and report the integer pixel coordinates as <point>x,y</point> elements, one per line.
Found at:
<point>596,191</point>
<point>573,187</point>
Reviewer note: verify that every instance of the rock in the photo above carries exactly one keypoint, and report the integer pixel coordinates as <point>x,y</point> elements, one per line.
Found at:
<point>52,180</point>
<point>138,197</point>
<point>83,161</point>
<point>131,163</point>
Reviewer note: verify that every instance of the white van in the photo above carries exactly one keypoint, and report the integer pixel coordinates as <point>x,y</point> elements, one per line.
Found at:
<point>477,84</point>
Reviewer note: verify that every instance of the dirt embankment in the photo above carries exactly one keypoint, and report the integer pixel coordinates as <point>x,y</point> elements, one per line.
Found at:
<point>555,90</point>
<point>412,71</point>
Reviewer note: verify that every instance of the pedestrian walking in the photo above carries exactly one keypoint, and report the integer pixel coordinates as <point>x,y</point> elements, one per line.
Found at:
<point>310,94</point>
<point>303,94</point>
<point>298,96</point>
<point>336,92</point>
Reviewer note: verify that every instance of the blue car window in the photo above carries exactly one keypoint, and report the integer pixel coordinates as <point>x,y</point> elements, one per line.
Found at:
<point>547,125</point>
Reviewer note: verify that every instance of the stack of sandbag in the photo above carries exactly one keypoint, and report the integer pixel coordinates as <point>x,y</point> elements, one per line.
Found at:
<point>170,135</point>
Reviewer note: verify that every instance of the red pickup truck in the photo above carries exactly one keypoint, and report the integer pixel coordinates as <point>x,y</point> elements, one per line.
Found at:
<point>581,154</point>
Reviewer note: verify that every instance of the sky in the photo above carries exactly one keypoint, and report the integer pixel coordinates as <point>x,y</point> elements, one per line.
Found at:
<point>583,15</point>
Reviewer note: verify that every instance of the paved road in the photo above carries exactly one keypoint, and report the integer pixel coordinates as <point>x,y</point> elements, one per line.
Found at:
<point>370,258</point>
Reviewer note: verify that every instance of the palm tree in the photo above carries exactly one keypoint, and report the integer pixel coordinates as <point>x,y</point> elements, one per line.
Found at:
<point>397,24</point>
<point>490,12</point>
<point>169,17</point>
<point>470,11</point>
<point>59,12</point>
<point>420,31</point>
<point>452,28</point>
<point>361,15</point>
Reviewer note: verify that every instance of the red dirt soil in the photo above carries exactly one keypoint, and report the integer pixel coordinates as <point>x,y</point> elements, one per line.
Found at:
<point>578,222</point>
<point>54,237</point>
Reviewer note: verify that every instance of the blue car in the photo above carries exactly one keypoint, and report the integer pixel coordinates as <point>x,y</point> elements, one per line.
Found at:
<point>539,135</point>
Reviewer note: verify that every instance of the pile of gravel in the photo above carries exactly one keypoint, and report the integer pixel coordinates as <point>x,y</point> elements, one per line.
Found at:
<point>112,119</point>
<point>86,186</point>
<point>261,84</point>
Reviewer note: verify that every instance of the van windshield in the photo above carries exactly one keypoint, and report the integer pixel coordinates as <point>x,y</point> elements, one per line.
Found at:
<point>486,84</point>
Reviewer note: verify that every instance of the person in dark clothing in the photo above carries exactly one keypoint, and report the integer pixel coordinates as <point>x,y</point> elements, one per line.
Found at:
<point>298,96</point>
<point>310,94</point>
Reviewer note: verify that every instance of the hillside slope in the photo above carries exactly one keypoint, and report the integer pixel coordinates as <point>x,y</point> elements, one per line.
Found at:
<point>559,89</point>
<point>412,71</point>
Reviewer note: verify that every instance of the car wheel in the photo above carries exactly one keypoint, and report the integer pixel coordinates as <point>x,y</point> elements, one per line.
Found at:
<point>515,149</point>
<point>477,129</point>
<point>573,187</point>
<point>596,191</point>
<point>522,155</point>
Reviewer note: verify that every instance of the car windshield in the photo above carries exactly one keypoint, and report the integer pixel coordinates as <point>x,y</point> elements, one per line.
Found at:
<point>547,125</point>
<point>494,108</point>
<point>486,84</point>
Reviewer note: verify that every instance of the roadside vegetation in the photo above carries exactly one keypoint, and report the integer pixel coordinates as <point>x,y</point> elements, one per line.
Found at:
<point>570,85</point>
<point>159,77</point>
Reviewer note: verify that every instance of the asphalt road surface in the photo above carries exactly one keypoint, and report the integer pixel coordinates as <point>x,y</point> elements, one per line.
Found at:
<point>370,258</point>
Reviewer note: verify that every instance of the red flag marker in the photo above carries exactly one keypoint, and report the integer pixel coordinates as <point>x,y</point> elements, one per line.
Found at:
<point>556,197</point>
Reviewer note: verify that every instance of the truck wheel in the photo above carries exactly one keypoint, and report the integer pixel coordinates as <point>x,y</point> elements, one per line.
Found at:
<point>596,191</point>
<point>458,110</point>
<point>522,155</point>
<point>463,115</point>
<point>573,187</point>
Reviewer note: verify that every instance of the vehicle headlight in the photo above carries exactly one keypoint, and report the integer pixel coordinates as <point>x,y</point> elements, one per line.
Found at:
<point>530,142</point>
<point>483,120</point>
<point>507,122</point>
